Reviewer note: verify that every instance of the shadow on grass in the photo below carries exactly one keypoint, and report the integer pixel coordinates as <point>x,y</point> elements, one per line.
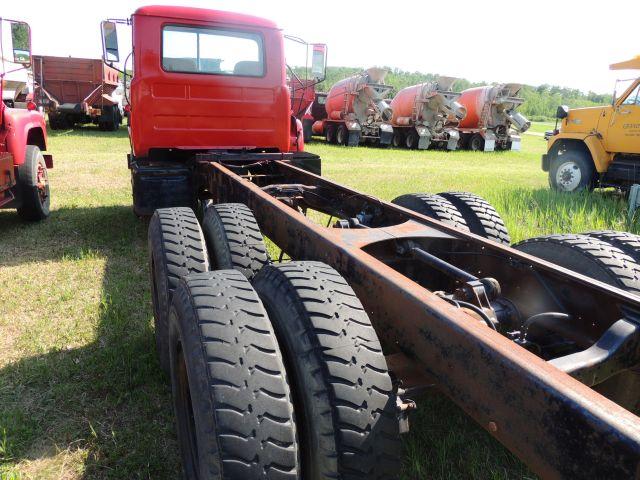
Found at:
<point>106,401</point>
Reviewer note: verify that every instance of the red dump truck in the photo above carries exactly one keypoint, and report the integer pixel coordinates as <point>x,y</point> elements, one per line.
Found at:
<point>492,122</point>
<point>426,115</point>
<point>304,368</point>
<point>357,111</point>
<point>24,181</point>
<point>77,90</point>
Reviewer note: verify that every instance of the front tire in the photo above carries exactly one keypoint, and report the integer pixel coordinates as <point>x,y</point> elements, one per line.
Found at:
<point>572,172</point>
<point>33,182</point>
<point>232,401</point>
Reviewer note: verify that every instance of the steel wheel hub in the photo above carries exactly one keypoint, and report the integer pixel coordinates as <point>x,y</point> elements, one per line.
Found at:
<point>568,176</point>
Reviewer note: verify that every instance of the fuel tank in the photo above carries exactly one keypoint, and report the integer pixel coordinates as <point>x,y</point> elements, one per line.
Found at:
<point>432,104</point>
<point>493,107</point>
<point>360,97</point>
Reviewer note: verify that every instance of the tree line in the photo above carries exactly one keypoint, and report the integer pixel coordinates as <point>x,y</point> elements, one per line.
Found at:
<point>540,102</point>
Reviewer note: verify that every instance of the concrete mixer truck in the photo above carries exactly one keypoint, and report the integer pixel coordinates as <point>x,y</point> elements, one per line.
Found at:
<point>357,111</point>
<point>426,115</point>
<point>492,121</point>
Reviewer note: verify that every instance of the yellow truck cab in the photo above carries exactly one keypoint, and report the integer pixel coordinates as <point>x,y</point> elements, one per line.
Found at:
<point>597,145</point>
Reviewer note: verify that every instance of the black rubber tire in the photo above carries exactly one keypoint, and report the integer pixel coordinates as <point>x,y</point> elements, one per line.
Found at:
<point>34,206</point>
<point>411,140</point>
<point>476,143</point>
<point>397,141</point>
<point>58,122</point>
<point>233,406</point>
<point>110,121</point>
<point>345,405</point>
<point>342,135</point>
<point>586,255</point>
<point>480,216</point>
<point>233,239</point>
<point>433,206</point>
<point>583,163</point>
<point>330,133</point>
<point>629,243</point>
<point>176,248</point>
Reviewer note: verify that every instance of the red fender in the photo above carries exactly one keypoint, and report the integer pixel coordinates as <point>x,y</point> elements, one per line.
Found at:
<point>23,127</point>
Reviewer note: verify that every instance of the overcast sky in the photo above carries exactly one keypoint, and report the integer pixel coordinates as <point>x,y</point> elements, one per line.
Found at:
<point>563,42</point>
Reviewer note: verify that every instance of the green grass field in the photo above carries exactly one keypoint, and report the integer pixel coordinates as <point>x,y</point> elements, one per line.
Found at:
<point>81,394</point>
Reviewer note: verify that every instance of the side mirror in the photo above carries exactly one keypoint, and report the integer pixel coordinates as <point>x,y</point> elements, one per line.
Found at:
<point>110,52</point>
<point>562,112</point>
<point>21,42</point>
<point>319,62</point>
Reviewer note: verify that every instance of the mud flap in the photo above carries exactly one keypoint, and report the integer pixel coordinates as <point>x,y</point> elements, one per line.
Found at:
<point>515,143</point>
<point>454,138</point>
<point>489,141</point>
<point>354,137</point>
<point>424,138</point>
<point>386,134</point>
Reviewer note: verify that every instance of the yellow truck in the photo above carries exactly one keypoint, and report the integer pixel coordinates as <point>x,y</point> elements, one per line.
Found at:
<point>597,145</point>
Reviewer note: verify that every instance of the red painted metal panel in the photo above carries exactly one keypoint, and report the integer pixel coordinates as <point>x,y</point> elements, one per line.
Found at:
<point>200,110</point>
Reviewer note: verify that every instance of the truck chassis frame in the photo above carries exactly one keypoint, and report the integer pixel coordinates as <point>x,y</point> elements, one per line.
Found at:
<point>544,410</point>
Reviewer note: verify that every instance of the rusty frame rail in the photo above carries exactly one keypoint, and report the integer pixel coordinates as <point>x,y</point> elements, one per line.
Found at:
<point>558,426</point>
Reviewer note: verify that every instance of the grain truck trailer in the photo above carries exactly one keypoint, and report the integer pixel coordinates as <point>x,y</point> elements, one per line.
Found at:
<point>357,111</point>
<point>77,90</point>
<point>305,366</point>
<point>24,180</point>
<point>426,115</point>
<point>492,122</point>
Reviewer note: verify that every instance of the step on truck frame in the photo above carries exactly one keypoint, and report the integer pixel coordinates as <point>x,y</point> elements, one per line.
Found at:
<point>446,305</point>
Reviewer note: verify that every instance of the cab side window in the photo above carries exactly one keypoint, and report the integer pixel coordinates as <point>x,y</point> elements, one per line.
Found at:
<point>212,51</point>
<point>633,98</point>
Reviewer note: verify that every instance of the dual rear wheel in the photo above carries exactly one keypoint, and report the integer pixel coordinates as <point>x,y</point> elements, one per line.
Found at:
<point>276,370</point>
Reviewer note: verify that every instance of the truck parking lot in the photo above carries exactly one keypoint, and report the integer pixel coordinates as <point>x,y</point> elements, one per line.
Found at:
<point>80,384</point>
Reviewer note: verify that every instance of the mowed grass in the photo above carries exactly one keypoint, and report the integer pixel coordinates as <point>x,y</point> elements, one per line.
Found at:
<point>81,393</point>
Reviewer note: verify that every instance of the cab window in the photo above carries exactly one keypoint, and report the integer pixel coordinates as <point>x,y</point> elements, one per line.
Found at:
<point>211,51</point>
<point>633,98</point>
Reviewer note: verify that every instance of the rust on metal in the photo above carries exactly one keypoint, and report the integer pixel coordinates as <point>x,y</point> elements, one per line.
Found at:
<point>557,425</point>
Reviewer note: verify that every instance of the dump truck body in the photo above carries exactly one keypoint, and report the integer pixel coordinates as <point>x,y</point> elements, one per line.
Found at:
<point>357,110</point>
<point>427,115</point>
<point>77,90</point>
<point>492,121</point>
<point>597,145</point>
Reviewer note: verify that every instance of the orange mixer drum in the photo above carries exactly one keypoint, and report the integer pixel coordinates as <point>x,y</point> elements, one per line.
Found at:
<point>474,99</point>
<point>402,104</point>
<point>335,105</point>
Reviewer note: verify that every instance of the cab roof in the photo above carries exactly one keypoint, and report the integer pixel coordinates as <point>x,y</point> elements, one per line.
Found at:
<point>204,14</point>
<point>633,64</point>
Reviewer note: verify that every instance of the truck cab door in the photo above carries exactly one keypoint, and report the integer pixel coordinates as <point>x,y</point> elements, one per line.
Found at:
<point>623,133</point>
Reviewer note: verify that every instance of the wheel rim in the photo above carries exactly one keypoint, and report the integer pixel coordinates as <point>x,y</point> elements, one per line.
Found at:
<point>568,176</point>
<point>42,183</point>
<point>185,417</point>
<point>475,143</point>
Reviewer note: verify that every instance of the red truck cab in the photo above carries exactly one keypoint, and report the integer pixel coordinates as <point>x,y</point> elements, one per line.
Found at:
<point>204,81</point>
<point>24,181</point>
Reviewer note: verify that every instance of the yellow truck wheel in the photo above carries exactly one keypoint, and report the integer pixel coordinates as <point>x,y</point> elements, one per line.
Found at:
<point>572,171</point>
